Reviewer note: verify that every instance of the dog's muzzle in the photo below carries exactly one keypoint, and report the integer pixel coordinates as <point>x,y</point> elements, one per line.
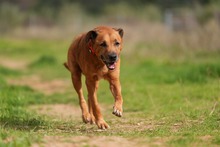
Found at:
<point>110,60</point>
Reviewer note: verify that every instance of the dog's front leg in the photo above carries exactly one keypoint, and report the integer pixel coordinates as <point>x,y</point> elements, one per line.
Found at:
<point>92,87</point>
<point>115,88</point>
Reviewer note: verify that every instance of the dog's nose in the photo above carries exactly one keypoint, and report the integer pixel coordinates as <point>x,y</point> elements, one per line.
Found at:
<point>112,56</point>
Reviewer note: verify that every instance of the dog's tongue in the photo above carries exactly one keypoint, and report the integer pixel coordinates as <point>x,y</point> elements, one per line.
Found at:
<point>111,66</point>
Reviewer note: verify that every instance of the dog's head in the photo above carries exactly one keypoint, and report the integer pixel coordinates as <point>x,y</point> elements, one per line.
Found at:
<point>106,43</point>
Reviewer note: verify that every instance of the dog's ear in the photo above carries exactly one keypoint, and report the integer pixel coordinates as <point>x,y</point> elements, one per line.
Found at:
<point>120,31</point>
<point>91,35</point>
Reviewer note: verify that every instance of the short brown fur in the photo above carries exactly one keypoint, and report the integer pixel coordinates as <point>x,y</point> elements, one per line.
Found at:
<point>104,63</point>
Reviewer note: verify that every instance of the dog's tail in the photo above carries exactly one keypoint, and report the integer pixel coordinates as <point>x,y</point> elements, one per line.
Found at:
<point>66,65</point>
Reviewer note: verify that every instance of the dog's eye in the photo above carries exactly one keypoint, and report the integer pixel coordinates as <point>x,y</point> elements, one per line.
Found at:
<point>103,44</point>
<point>117,43</point>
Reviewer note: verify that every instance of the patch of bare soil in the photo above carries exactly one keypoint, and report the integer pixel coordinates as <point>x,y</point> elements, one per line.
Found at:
<point>46,87</point>
<point>35,82</point>
<point>206,138</point>
<point>65,111</point>
<point>62,111</point>
<point>13,64</point>
<point>97,141</point>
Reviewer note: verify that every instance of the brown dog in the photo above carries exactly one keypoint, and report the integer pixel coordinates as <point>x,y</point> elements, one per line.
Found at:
<point>96,55</point>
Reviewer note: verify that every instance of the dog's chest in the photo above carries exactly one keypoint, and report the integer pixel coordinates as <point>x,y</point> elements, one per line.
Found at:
<point>100,71</point>
<point>95,70</point>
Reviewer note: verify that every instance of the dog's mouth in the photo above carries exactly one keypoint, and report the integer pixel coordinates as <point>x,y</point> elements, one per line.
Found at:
<point>110,64</point>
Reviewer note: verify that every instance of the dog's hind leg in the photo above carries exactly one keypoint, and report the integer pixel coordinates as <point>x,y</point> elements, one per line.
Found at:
<point>76,79</point>
<point>91,111</point>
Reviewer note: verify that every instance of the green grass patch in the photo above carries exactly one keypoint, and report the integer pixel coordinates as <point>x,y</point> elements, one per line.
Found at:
<point>9,72</point>
<point>44,61</point>
<point>167,72</point>
<point>13,101</point>
<point>16,122</point>
<point>32,48</point>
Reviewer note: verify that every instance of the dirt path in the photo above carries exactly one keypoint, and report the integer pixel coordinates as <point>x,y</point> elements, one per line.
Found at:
<point>33,81</point>
<point>61,111</point>
<point>46,87</point>
<point>71,112</point>
<point>13,64</point>
<point>94,141</point>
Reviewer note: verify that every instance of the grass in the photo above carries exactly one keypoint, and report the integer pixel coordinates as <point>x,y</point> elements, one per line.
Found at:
<point>173,101</point>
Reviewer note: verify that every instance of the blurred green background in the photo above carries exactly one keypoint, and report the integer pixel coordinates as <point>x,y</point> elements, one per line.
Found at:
<point>181,24</point>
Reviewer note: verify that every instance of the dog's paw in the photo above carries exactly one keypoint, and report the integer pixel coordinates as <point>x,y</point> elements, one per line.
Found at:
<point>88,118</point>
<point>102,124</point>
<point>117,110</point>
<point>92,119</point>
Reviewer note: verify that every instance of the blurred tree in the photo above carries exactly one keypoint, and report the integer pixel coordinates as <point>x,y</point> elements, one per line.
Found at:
<point>97,6</point>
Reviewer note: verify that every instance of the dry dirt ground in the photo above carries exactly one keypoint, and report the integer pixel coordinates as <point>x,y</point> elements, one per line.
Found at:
<point>13,64</point>
<point>70,112</point>
<point>36,83</point>
<point>33,81</point>
<point>94,141</point>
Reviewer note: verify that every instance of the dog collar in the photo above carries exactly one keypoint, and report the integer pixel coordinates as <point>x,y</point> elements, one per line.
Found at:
<point>91,49</point>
